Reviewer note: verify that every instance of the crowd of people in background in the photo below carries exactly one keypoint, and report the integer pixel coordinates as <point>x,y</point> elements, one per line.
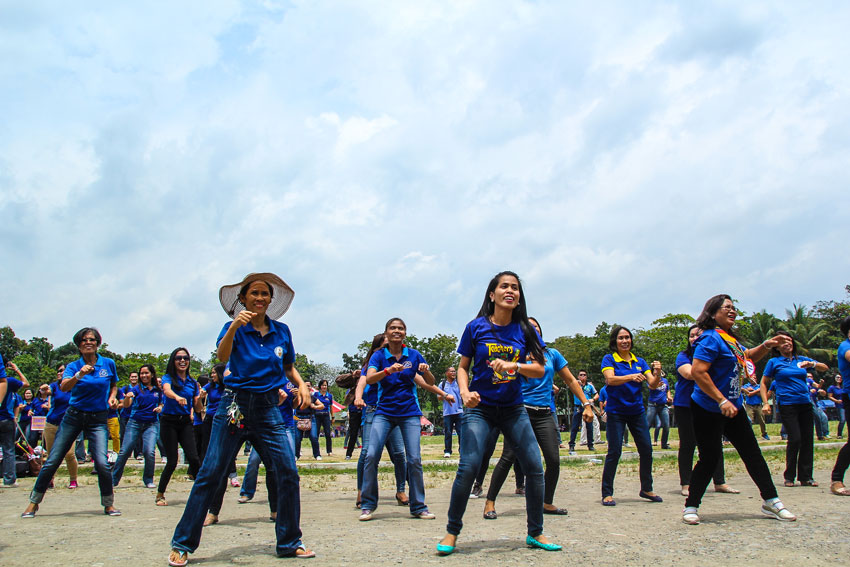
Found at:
<point>504,383</point>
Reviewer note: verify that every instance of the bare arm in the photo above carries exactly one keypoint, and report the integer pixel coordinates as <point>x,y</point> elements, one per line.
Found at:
<point>470,399</point>
<point>575,388</point>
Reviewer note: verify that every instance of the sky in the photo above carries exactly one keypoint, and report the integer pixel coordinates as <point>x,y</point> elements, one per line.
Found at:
<point>626,159</point>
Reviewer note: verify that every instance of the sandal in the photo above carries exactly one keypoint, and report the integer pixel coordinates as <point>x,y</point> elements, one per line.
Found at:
<point>178,558</point>
<point>790,484</point>
<point>161,501</point>
<point>304,553</point>
<point>402,502</point>
<point>491,515</point>
<point>809,483</point>
<point>836,488</point>
<point>210,519</point>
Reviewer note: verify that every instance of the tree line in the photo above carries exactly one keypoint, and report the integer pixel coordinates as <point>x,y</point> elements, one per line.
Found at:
<point>815,330</point>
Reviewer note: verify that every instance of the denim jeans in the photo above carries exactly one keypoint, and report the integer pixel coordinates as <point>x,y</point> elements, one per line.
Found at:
<point>252,470</point>
<point>663,414</point>
<point>636,423</point>
<point>821,422</point>
<point>74,423</point>
<point>410,433</point>
<point>134,432</point>
<point>477,425</point>
<point>323,420</point>
<point>263,426</point>
<point>311,433</point>
<point>451,422</point>
<point>7,442</point>
<point>395,447</point>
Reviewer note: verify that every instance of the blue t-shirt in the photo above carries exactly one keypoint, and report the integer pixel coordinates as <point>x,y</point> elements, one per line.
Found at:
<point>538,391</point>
<point>589,391</point>
<point>752,395</point>
<point>9,402</point>
<point>453,389</point>
<point>125,413</point>
<point>187,389</point>
<point>327,400</point>
<point>603,395</point>
<point>484,342</point>
<point>625,399</point>
<point>38,407</point>
<point>91,392</point>
<point>24,417</point>
<point>257,362</point>
<point>214,393</point>
<point>144,402</point>
<point>843,365</point>
<point>790,379</point>
<point>370,391</point>
<point>659,395</point>
<point>397,392</point>
<point>724,371</point>
<point>286,407</point>
<point>58,403</point>
<point>684,387</point>
<point>836,393</point>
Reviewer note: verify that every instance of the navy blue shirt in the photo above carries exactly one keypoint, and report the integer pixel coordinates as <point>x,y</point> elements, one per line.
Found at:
<point>659,395</point>
<point>125,413</point>
<point>285,408</point>
<point>188,389</point>
<point>58,403</point>
<point>8,404</point>
<point>684,387</point>
<point>257,362</point>
<point>625,399</point>
<point>144,402</point>
<point>214,392</point>
<point>397,392</point>
<point>327,400</point>
<point>91,392</point>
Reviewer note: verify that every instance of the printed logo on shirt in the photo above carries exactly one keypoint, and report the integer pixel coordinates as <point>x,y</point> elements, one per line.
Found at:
<point>103,373</point>
<point>278,351</point>
<point>735,385</point>
<point>503,352</point>
<point>800,364</point>
<point>407,365</point>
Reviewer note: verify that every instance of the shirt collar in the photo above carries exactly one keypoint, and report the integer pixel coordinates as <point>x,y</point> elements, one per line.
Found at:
<point>388,356</point>
<point>618,358</point>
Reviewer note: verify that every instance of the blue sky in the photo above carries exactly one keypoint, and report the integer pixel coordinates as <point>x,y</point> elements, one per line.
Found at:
<point>627,159</point>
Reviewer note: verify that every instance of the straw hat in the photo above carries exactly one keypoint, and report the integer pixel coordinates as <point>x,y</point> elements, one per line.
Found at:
<point>282,295</point>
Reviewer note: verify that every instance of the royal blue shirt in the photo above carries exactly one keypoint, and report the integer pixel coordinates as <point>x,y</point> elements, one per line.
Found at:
<point>9,402</point>
<point>485,342</point>
<point>684,387</point>
<point>58,404</point>
<point>843,365</point>
<point>397,392</point>
<point>659,395</point>
<point>327,400</point>
<point>188,389</point>
<point>285,408</point>
<point>257,362</point>
<point>144,402</point>
<point>724,372</point>
<point>790,379</point>
<point>38,407</point>
<point>589,391</point>
<point>603,395</point>
<point>538,391</point>
<point>24,417</point>
<point>453,389</point>
<point>370,392</point>
<point>125,413</point>
<point>625,399</point>
<point>836,393</point>
<point>214,393</point>
<point>91,392</point>
<point>752,396</point>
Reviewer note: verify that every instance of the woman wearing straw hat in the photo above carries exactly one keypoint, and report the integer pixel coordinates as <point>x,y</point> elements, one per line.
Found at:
<point>261,356</point>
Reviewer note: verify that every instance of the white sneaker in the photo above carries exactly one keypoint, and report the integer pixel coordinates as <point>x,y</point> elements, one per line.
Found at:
<point>778,510</point>
<point>365,515</point>
<point>690,516</point>
<point>447,455</point>
<point>318,457</point>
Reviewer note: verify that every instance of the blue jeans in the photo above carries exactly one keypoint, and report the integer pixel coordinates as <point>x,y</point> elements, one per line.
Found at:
<point>323,420</point>
<point>477,425</point>
<point>410,433</point>
<point>314,440</point>
<point>663,414</point>
<point>576,425</point>
<point>451,422</point>
<point>7,442</point>
<point>133,432</point>
<point>821,422</point>
<point>264,427</point>
<point>252,470</point>
<point>640,432</point>
<point>74,423</point>
<point>395,447</point>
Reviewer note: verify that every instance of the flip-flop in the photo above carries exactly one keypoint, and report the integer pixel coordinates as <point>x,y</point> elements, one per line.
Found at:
<point>303,553</point>
<point>181,560</point>
<point>490,515</point>
<point>611,502</point>
<point>809,483</point>
<point>839,490</point>
<point>790,484</point>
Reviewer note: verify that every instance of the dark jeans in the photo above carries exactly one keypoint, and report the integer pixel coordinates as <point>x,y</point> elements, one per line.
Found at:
<point>264,426</point>
<point>395,449</point>
<point>322,420</point>
<point>663,414</point>
<point>821,422</point>
<point>174,430</point>
<point>843,459</point>
<point>137,432</point>
<point>575,424</point>
<point>451,423</point>
<point>7,443</point>
<point>311,433</point>
<point>640,433</point>
<point>800,450</point>
<point>478,424</point>
<point>74,423</point>
<point>547,438</point>
<point>687,445</point>
<point>354,422</point>
<point>710,429</point>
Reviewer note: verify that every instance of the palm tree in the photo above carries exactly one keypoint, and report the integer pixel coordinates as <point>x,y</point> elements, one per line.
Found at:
<point>808,333</point>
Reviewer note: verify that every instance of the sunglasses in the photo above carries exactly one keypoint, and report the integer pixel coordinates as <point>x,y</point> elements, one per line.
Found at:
<point>181,357</point>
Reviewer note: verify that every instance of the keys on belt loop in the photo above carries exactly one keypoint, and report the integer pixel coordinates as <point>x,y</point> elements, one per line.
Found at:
<point>234,415</point>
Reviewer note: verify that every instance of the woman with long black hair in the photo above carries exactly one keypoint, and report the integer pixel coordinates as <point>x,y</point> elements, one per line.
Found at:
<point>495,346</point>
<point>181,394</point>
<point>720,364</point>
<point>685,420</point>
<point>92,381</point>
<point>322,418</point>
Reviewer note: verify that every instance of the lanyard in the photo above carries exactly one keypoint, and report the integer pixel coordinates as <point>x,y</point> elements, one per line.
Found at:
<point>749,370</point>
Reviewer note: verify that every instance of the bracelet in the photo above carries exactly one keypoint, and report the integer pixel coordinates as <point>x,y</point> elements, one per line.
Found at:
<point>720,404</point>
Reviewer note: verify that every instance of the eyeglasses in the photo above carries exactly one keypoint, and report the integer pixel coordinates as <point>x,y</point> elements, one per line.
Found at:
<point>730,308</point>
<point>181,357</point>
<point>89,340</point>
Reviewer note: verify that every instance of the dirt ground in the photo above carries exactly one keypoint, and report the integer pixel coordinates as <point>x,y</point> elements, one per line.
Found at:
<point>70,528</point>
